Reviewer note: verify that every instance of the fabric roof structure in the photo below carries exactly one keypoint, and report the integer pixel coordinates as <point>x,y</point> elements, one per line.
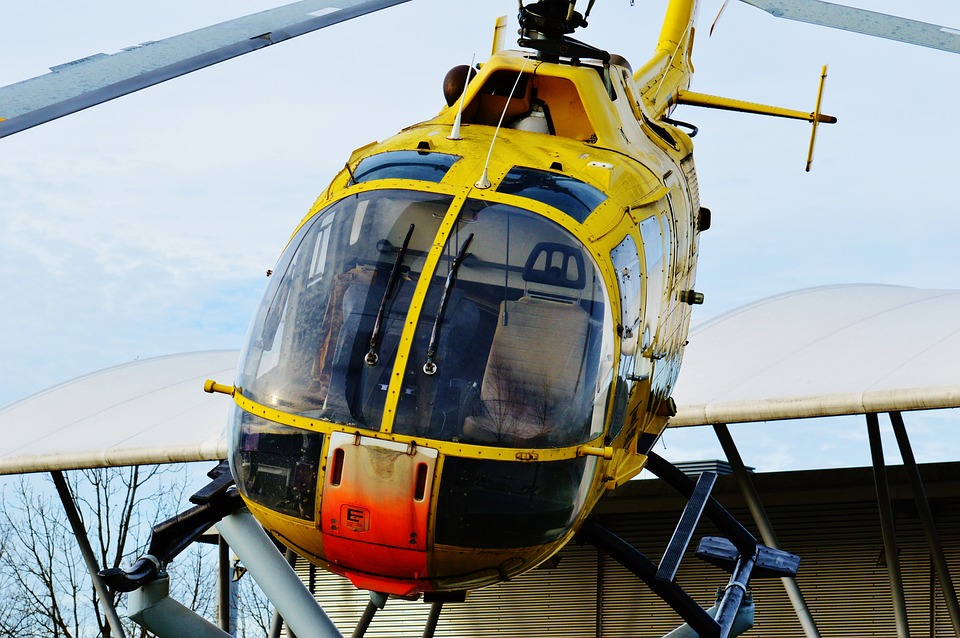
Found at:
<point>827,351</point>
<point>144,412</point>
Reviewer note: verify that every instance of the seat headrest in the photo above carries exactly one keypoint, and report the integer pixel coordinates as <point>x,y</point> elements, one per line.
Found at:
<point>562,266</point>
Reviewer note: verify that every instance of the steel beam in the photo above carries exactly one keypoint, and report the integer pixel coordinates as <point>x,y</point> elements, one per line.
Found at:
<point>433,619</point>
<point>755,506</point>
<point>887,527</point>
<point>926,520</point>
<point>76,523</point>
<point>641,566</point>
<point>276,578</point>
<point>276,624</point>
<point>152,608</point>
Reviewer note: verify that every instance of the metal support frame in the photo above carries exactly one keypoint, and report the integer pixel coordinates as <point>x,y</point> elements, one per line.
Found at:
<point>755,506</point>
<point>887,528</point>
<point>738,534</point>
<point>276,578</point>
<point>224,578</point>
<point>377,602</point>
<point>364,623</point>
<point>151,607</point>
<point>431,628</point>
<point>670,561</point>
<point>641,566</point>
<point>926,520</point>
<point>76,523</point>
<point>276,623</point>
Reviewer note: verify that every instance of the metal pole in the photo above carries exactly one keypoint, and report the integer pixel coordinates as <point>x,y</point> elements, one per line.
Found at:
<point>926,520</point>
<point>887,528</point>
<point>364,623</point>
<point>752,498</point>
<point>276,624</point>
<point>81,535</point>
<point>433,619</point>
<point>276,578</point>
<point>223,584</point>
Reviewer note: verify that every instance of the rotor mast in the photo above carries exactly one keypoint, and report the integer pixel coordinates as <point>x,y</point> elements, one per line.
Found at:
<point>546,25</point>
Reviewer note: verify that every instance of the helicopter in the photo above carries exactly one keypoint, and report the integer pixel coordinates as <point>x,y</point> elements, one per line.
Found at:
<point>357,360</point>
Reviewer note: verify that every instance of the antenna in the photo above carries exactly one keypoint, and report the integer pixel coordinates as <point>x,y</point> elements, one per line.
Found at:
<point>455,133</point>
<point>484,181</point>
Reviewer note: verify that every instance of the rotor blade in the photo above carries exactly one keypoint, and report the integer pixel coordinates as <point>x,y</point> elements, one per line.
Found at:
<point>98,78</point>
<point>862,21</point>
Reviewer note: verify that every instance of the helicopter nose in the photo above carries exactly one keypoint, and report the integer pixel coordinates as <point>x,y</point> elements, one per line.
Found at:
<point>375,511</point>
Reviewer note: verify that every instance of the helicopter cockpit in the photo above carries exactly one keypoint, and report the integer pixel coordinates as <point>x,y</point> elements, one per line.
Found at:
<point>502,339</point>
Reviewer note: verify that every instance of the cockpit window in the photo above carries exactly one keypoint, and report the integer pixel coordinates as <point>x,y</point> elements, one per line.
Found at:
<point>509,347</point>
<point>424,166</point>
<point>571,196</point>
<point>275,465</point>
<point>324,340</point>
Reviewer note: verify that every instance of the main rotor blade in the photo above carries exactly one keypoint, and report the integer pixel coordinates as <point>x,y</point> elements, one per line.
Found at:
<point>862,21</point>
<point>98,78</point>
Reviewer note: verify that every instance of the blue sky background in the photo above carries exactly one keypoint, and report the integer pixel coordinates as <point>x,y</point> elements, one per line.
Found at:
<point>144,226</point>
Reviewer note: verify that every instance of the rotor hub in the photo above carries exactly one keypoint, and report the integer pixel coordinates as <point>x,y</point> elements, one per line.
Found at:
<point>549,19</point>
<point>546,26</point>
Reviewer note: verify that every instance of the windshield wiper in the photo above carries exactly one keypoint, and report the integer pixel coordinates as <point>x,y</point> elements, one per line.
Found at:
<point>430,367</point>
<point>372,357</point>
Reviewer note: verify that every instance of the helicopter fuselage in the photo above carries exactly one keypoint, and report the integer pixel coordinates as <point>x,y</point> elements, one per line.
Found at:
<point>457,356</point>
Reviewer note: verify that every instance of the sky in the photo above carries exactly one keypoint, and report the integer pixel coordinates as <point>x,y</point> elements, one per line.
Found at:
<point>145,226</point>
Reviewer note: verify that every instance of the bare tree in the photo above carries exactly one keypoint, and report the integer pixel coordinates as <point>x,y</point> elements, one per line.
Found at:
<point>46,588</point>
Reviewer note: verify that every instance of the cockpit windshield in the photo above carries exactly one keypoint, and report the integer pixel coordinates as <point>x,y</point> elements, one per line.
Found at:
<point>509,346</point>
<point>519,349</point>
<point>309,344</point>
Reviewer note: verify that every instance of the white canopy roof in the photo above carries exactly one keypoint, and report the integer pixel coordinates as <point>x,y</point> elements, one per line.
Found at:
<point>826,351</point>
<point>148,411</point>
<point>817,352</point>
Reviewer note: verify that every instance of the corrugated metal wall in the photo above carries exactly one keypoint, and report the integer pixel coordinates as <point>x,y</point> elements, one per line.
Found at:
<point>555,601</point>
<point>842,576</point>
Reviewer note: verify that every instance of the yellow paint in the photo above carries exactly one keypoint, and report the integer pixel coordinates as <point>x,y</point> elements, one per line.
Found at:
<point>499,34</point>
<point>816,117</point>
<point>728,104</point>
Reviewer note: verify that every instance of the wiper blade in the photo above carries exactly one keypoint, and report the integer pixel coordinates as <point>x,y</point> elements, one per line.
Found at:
<point>430,367</point>
<point>372,357</point>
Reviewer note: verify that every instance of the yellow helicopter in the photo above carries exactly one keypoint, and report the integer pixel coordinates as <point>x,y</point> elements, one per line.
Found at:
<point>474,332</point>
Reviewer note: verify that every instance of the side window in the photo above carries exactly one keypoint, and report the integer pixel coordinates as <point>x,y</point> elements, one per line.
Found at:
<point>626,261</point>
<point>653,254</point>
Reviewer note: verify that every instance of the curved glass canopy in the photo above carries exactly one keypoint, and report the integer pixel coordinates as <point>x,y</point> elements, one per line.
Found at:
<point>501,342</point>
